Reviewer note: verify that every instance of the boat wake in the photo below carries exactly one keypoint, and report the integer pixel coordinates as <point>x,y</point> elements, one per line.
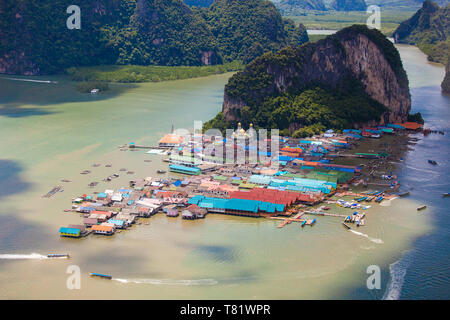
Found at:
<point>170,282</point>
<point>32,256</point>
<point>30,80</point>
<point>397,278</point>
<point>374,240</point>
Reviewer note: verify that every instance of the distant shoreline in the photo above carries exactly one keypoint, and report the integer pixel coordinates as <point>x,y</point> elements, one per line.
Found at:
<point>140,74</point>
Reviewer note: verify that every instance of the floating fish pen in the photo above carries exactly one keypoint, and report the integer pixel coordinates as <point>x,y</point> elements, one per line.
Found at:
<point>53,192</point>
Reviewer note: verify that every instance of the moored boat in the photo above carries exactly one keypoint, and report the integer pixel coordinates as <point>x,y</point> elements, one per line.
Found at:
<point>161,171</point>
<point>404,194</point>
<point>346,226</point>
<point>57,255</point>
<point>99,275</point>
<point>432,162</point>
<point>421,208</point>
<point>447,194</point>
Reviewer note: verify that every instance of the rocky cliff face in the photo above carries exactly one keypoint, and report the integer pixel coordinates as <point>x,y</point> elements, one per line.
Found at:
<point>429,29</point>
<point>353,53</point>
<point>446,83</point>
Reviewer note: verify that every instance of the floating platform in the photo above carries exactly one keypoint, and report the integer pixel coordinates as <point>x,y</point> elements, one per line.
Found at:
<point>53,192</point>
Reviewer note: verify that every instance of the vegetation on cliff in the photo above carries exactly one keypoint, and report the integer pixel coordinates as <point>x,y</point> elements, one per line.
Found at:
<point>429,29</point>
<point>245,29</point>
<point>34,37</point>
<point>297,34</point>
<point>164,33</point>
<point>138,32</point>
<point>308,112</point>
<point>290,7</point>
<point>272,91</point>
<point>199,3</point>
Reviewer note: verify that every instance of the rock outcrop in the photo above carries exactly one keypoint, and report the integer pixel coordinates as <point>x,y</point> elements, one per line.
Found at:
<point>446,83</point>
<point>357,53</point>
<point>429,29</point>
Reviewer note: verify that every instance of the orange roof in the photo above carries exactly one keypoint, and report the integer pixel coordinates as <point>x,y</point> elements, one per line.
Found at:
<point>107,213</point>
<point>101,228</point>
<point>411,125</point>
<point>171,138</point>
<point>310,163</point>
<point>269,172</point>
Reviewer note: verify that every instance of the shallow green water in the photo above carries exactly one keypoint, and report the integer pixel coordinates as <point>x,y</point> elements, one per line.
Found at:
<point>50,132</point>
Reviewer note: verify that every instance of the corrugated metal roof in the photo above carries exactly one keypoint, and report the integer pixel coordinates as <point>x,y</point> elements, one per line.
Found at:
<point>116,222</point>
<point>69,230</point>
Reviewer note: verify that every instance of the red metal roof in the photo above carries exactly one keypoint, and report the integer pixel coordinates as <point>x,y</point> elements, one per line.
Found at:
<point>286,198</point>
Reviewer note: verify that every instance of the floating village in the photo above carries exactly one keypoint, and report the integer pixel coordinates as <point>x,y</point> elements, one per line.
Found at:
<point>303,180</point>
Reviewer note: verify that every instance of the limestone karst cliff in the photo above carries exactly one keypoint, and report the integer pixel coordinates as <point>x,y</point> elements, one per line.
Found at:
<point>353,77</point>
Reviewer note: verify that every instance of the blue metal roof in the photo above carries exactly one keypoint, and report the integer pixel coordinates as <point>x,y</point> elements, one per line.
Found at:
<point>116,222</point>
<point>73,231</point>
<point>177,183</point>
<point>236,204</point>
<point>184,168</point>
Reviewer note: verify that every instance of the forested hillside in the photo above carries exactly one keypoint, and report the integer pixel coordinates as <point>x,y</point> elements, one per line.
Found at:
<point>34,38</point>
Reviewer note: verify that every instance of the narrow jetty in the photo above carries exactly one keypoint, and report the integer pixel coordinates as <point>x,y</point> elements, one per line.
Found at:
<point>320,213</point>
<point>296,218</point>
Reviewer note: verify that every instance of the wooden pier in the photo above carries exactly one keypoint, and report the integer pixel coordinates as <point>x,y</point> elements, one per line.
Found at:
<point>320,213</point>
<point>296,218</point>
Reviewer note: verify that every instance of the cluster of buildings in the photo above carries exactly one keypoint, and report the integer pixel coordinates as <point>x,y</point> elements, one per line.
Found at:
<point>301,173</point>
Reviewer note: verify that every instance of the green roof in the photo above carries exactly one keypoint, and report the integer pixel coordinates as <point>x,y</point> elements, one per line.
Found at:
<point>220,178</point>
